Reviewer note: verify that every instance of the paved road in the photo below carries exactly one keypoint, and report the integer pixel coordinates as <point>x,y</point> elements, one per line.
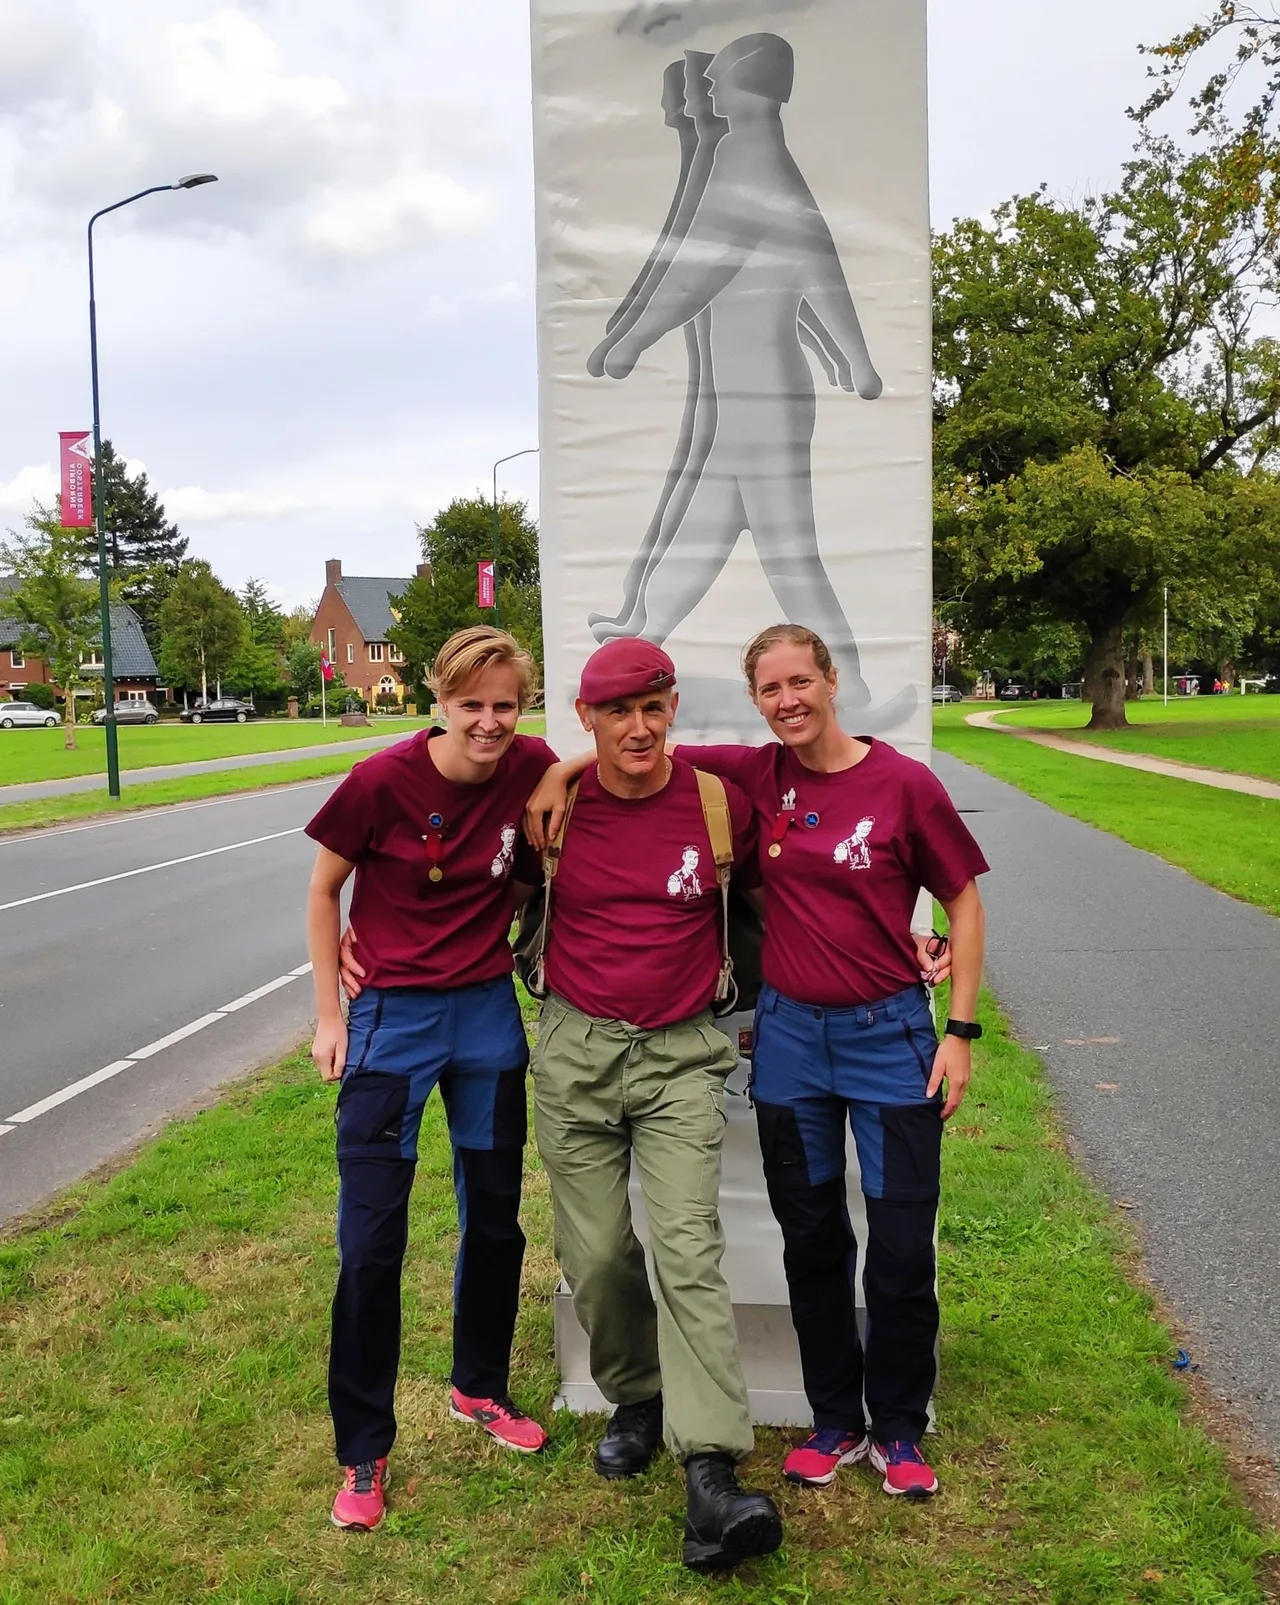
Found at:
<point>208,766</point>
<point>194,908</point>
<point>1090,938</point>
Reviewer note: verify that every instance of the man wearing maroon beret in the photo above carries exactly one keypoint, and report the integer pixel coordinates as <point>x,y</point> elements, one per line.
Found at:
<point>629,1064</point>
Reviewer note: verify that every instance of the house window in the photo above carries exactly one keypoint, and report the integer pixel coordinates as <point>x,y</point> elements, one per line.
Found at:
<point>333,644</point>
<point>386,686</point>
<point>91,660</point>
<point>394,654</point>
<point>375,652</point>
<point>351,652</point>
<point>17,660</point>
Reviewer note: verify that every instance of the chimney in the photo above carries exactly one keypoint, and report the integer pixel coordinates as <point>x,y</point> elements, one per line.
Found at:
<point>424,571</point>
<point>333,571</point>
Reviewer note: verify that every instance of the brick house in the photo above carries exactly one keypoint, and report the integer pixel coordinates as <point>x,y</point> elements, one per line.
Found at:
<point>134,669</point>
<point>351,623</point>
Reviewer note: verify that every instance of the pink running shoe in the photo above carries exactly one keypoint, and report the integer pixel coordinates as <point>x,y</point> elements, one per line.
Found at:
<point>361,1503</point>
<point>501,1420</point>
<point>906,1472</point>
<point>816,1460</point>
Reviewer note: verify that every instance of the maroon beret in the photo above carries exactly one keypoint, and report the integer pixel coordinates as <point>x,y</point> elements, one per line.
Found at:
<point>627,667</point>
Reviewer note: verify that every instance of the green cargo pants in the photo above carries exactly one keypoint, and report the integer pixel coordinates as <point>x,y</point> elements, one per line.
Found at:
<point>603,1091</point>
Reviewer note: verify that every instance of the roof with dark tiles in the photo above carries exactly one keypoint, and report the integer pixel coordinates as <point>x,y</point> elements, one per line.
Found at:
<point>131,657</point>
<point>369,601</point>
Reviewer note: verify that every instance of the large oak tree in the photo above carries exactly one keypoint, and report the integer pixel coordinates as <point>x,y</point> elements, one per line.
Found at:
<point>1107,414</point>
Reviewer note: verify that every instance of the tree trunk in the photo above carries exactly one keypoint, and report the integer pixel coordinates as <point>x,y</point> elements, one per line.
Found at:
<point>69,722</point>
<point>1104,673</point>
<point>1133,676</point>
<point>204,681</point>
<point>1148,675</point>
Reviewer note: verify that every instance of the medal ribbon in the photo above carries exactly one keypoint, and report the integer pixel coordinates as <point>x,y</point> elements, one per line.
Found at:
<point>435,852</point>
<point>781,825</point>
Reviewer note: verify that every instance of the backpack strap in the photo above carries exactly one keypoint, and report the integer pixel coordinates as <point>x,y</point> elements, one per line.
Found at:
<point>550,862</point>
<point>719,823</point>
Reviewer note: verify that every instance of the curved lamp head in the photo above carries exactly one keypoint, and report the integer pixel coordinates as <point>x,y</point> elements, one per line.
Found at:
<point>192,180</point>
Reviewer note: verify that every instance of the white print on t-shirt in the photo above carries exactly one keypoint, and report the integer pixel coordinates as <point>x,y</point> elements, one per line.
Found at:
<point>685,883</point>
<point>503,862</point>
<point>789,801</point>
<point>855,850</point>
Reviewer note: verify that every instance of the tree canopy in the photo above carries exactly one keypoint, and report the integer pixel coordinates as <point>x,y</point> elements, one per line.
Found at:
<point>434,605</point>
<point>1107,416</point>
<point>57,609</point>
<point>202,627</point>
<point>144,548</point>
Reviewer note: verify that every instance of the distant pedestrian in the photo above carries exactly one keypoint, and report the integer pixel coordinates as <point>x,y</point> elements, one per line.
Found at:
<point>430,828</point>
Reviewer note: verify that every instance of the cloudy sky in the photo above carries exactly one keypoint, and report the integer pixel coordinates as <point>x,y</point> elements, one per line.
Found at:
<point>324,347</point>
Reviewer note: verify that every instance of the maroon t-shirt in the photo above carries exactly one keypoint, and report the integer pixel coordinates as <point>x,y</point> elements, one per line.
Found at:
<point>856,849</point>
<point>635,904</point>
<point>393,816</point>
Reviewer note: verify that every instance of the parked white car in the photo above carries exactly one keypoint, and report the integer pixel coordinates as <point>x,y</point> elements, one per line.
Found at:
<point>25,713</point>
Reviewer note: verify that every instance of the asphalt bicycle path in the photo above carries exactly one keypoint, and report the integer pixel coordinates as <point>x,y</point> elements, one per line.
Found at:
<point>1220,779</point>
<point>1153,1001</point>
<point>35,789</point>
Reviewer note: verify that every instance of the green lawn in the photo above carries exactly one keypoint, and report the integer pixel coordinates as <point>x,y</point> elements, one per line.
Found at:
<point>27,755</point>
<point>1226,839</point>
<point>1233,733</point>
<point>164,1436</point>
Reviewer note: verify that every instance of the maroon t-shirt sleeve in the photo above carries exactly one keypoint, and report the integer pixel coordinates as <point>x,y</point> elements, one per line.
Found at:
<point>746,838</point>
<point>730,763</point>
<point>345,824</point>
<point>943,853</point>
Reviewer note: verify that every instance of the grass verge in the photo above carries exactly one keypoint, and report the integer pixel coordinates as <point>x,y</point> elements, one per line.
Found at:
<point>1238,734</point>
<point>44,811</point>
<point>164,1437</point>
<point>1226,839</point>
<point>33,755</point>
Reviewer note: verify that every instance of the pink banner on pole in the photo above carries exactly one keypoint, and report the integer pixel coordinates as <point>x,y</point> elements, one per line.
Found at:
<point>484,583</point>
<point>76,451</point>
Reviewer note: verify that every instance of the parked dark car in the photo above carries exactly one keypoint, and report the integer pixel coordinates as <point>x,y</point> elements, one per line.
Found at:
<point>130,713</point>
<point>225,708</point>
<point>1011,691</point>
<point>947,693</point>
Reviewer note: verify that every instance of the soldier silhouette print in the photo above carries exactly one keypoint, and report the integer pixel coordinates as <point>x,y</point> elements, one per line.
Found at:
<point>746,266</point>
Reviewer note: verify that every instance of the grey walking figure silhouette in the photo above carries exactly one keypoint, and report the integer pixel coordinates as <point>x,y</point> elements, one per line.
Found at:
<point>747,266</point>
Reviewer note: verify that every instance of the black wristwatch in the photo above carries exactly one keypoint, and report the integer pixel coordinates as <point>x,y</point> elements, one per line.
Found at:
<point>970,1030</point>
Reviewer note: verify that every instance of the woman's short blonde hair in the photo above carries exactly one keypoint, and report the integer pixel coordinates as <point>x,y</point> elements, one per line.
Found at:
<point>467,652</point>
<point>775,635</point>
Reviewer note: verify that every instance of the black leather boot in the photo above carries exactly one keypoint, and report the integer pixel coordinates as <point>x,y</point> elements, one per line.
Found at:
<point>724,1525</point>
<point>631,1439</point>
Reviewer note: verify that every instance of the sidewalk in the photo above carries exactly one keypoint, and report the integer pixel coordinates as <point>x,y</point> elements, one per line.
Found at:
<point>135,777</point>
<point>1153,1001</point>
<point>1222,779</point>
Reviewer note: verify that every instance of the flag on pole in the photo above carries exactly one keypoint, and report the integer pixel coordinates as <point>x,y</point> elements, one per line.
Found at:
<point>485,583</point>
<point>326,668</point>
<point>76,453</point>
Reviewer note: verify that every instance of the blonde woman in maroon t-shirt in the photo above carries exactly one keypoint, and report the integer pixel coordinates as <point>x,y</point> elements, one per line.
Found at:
<point>431,829</point>
<point>851,831</point>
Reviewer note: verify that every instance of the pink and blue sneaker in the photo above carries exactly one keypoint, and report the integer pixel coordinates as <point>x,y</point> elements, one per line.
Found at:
<point>816,1461</point>
<point>905,1470</point>
<point>361,1502</point>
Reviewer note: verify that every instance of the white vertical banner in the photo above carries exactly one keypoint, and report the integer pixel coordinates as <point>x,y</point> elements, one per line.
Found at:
<point>734,345</point>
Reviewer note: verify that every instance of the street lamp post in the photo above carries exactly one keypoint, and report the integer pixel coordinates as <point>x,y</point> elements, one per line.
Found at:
<point>104,588</point>
<point>529,451</point>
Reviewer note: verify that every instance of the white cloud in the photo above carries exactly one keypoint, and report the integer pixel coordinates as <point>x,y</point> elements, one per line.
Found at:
<point>38,482</point>
<point>193,504</point>
<point>306,161</point>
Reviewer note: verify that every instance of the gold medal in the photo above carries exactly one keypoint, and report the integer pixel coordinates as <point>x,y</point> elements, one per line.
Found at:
<point>775,850</point>
<point>435,873</point>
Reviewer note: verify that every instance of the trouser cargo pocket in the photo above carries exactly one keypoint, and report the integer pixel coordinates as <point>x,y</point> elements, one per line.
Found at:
<point>370,1114</point>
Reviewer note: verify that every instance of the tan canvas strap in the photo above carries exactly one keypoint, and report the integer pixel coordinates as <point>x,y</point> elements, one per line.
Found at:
<point>550,860</point>
<point>719,823</point>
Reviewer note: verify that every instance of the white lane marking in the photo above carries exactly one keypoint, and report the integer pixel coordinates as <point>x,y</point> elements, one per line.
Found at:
<point>190,1030</point>
<point>303,969</point>
<point>258,992</point>
<point>147,869</point>
<point>34,1110</point>
<point>16,838</point>
<point>73,1091</point>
